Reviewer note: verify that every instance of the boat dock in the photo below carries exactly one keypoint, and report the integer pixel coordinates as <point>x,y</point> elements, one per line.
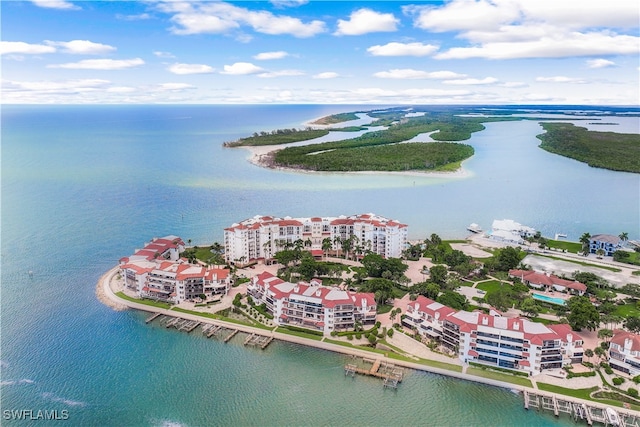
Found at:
<point>389,373</point>
<point>152,317</point>
<point>258,340</point>
<point>578,410</point>
<point>231,335</point>
<point>211,330</point>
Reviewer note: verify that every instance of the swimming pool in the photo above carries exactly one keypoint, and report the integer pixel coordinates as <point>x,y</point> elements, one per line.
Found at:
<point>546,298</point>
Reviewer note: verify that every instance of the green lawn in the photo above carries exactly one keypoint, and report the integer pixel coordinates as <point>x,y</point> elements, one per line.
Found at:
<point>498,376</point>
<point>299,334</point>
<point>573,247</point>
<point>580,393</point>
<point>148,302</point>
<point>627,310</point>
<point>491,286</point>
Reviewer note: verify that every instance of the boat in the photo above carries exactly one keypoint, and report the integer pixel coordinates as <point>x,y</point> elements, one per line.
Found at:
<point>474,228</point>
<point>613,417</point>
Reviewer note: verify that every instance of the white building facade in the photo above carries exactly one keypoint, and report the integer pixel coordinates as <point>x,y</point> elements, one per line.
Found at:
<point>258,239</point>
<point>624,352</point>
<point>157,272</point>
<point>311,305</point>
<point>511,343</point>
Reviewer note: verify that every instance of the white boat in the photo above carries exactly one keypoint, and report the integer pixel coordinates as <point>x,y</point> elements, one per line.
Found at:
<point>613,417</point>
<point>474,228</point>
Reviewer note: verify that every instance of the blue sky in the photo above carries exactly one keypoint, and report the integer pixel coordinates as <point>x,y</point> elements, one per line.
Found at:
<point>342,52</point>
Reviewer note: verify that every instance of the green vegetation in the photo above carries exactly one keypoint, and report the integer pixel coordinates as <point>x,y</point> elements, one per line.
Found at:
<point>573,247</point>
<point>337,156</point>
<point>490,286</point>
<point>580,393</point>
<point>371,151</point>
<point>627,257</point>
<point>149,302</point>
<point>294,330</point>
<point>608,150</point>
<point>278,137</point>
<point>498,376</point>
<point>336,118</point>
<point>627,310</point>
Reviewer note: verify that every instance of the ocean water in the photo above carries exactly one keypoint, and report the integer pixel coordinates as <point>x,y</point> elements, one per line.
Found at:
<point>83,186</point>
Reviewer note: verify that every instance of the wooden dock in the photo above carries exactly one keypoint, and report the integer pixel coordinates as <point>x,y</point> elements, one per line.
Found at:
<point>257,340</point>
<point>390,375</point>
<point>153,317</point>
<point>576,409</point>
<point>211,330</point>
<point>231,335</point>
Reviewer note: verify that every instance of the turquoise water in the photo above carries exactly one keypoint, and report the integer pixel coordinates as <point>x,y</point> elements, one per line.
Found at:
<point>84,185</point>
<point>547,298</point>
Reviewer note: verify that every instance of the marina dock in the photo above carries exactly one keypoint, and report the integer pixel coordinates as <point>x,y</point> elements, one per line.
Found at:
<point>231,335</point>
<point>578,410</point>
<point>389,373</point>
<point>257,340</point>
<point>153,317</point>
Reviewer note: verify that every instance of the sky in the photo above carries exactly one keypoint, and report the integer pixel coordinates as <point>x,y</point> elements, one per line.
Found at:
<point>574,52</point>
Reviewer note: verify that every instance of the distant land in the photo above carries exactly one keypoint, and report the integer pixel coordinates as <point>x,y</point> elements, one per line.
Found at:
<point>607,150</point>
<point>388,149</point>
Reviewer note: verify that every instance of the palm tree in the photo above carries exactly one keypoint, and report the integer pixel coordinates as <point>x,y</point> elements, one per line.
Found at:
<point>588,353</point>
<point>605,334</point>
<point>326,245</point>
<point>624,236</point>
<point>585,240</point>
<point>600,352</point>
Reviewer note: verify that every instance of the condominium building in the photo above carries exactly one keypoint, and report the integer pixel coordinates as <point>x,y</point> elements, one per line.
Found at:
<point>624,352</point>
<point>259,238</point>
<point>605,242</point>
<point>311,305</point>
<point>490,339</point>
<point>157,272</point>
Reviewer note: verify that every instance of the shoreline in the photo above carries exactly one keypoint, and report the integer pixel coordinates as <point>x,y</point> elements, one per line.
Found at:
<point>108,297</point>
<point>262,156</point>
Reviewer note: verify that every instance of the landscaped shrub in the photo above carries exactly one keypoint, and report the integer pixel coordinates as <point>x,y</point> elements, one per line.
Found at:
<point>580,374</point>
<point>588,364</point>
<point>632,392</point>
<point>372,339</point>
<point>334,333</point>
<point>390,333</point>
<point>358,335</point>
<point>350,337</point>
<point>636,379</point>
<point>608,370</point>
<point>618,381</point>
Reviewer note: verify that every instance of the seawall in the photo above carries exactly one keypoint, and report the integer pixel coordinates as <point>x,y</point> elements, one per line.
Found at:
<point>108,297</point>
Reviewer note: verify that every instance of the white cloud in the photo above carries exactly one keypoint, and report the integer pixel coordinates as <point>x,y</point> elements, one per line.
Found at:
<point>505,29</point>
<point>408,73</point>
<point>50,87</point>
<point>485,81</point>
<point>288,3</point>
<point>575,44</point>
<point>600,63</point>
<point>100,64</point>
<point>281,73</point>
<point>560,79</point>
<point>219,18</point>
<point>82,47</point>
<point>24,48</point>
<point>161,54</point>
<point>402,49</point>
<point>190,69</point>
<point>365,21</point>
<point>264,56</point>
<point>55,4</point>
<point>513,84</point>
<point>139,17</point>
<point>122,89</point>
<point>174,87</point>
<point>241,68</point>
<point>326,75</point>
